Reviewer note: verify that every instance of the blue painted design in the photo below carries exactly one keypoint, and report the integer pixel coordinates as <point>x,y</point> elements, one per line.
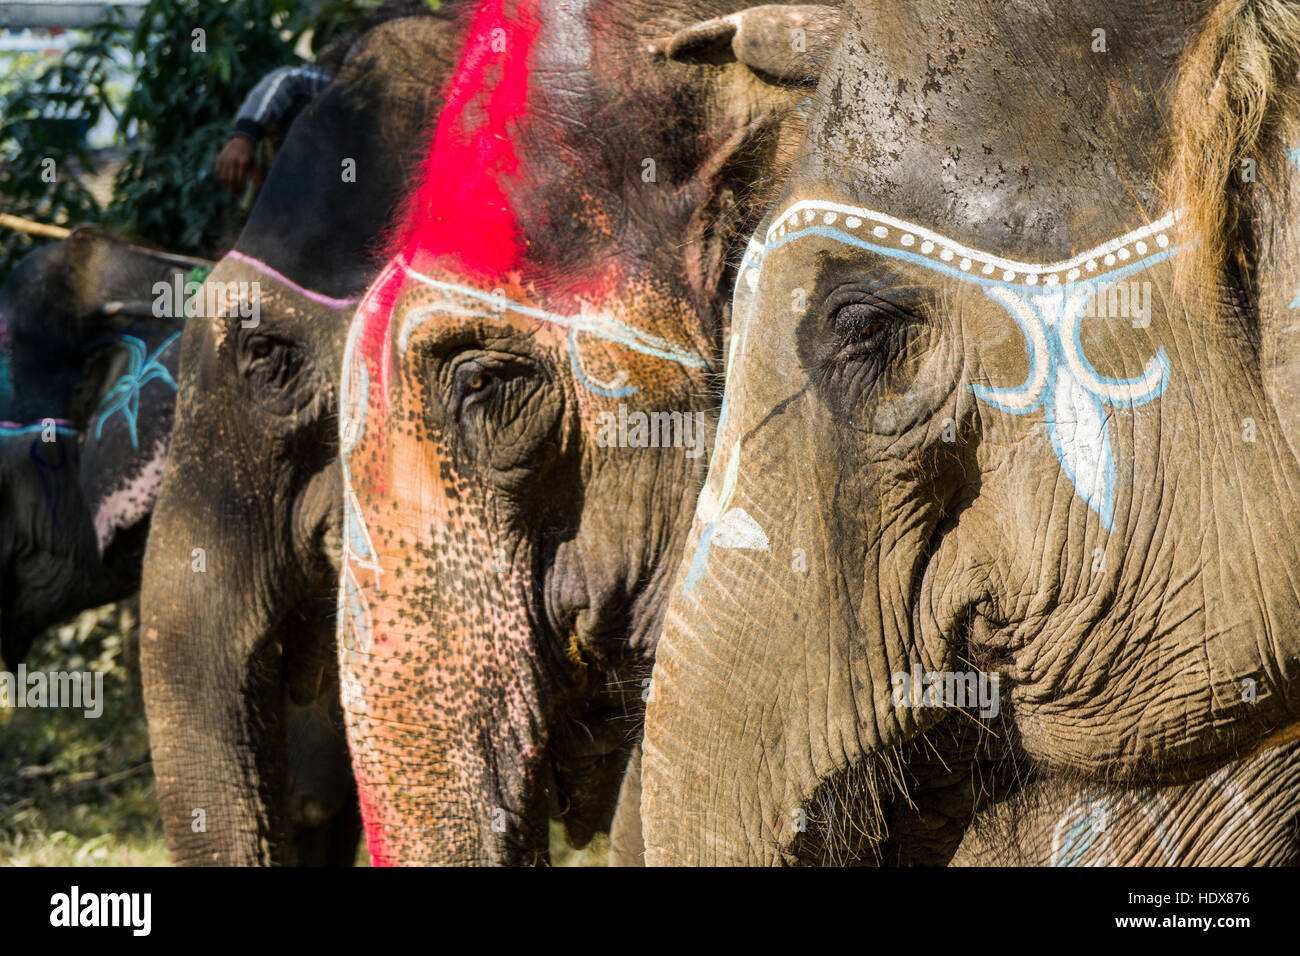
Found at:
<point>8,429</point>
<point>724,526</point>
<point>354,618</point>
<point>1062,383</point>
<point>1083,834</point>
<point>603,388</point>
<point>6,379</point>
<point>1079,839</point>
<point>353,406</point>
<point>701,559</point>
<point>124,396</point>
<point>487,305</point>
<point>1071,394</point>
<point>916,258</point>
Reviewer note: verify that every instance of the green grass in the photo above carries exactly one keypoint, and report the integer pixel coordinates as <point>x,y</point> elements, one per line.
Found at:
<point>80,792</point>
<point>76,791</point>
<point>595,853</point>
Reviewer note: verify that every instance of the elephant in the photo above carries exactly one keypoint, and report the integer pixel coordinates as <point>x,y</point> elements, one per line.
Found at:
<point>237,599</point>
<point>78,482</point>
<point>86,393</point>
<point>1009,421</point>
<point>526,398</point>
<point>60,308</point>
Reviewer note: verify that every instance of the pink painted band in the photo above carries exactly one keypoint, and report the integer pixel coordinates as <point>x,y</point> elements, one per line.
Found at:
<point>285,280</point>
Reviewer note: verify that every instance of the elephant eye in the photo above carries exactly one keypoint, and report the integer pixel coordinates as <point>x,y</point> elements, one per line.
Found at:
<point>864,320</point>
<point>860,327</point>
<point>275,372</point>
<point>476,385</point>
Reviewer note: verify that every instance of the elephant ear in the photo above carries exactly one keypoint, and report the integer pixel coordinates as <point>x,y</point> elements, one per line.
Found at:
<point>758,64</point>
<point>126,438</point>
<point>1239,195</point>
<point>786,44</point>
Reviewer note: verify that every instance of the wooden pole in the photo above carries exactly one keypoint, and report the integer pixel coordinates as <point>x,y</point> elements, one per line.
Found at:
<point>35,228</point>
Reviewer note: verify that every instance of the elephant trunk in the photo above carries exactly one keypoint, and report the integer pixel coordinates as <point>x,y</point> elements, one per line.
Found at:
<point>214,691</point>
<point>447,757</point>
<point>685,747</point>
<point>219,765</point>
<point>772,734</point>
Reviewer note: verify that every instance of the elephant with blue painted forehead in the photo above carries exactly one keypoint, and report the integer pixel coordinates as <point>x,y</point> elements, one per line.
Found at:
<point>1005,486</point>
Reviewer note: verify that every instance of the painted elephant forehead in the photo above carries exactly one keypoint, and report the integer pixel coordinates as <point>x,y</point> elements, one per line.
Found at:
<point>899,239</point>
<point>1047,300</point>
<point>461,207</point>
<point>280,279</point>
<point>454,298</point>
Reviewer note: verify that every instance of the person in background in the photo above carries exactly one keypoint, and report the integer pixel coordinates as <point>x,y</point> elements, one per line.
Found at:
<point>267,110</point>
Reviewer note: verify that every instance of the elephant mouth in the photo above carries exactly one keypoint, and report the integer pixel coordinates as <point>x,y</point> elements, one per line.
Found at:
<point>845,821</point>
<point>895,805</point>
<point>586,768</point>
<point>905,806</point>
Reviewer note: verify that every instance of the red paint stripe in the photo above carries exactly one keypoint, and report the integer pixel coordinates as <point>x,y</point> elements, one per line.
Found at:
<point>461,207</point>
<point>375,843</point>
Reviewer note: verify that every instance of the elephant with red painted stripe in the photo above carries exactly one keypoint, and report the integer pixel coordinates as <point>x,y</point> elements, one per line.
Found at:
<point>527,402</point>
<point>238,595</point>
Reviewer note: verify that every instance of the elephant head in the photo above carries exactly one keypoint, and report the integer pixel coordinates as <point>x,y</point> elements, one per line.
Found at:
<point>526,394</point>
<point>61,307</point>
<point>1007,419</point>
<point>80,467</point>
<point>240,571</point>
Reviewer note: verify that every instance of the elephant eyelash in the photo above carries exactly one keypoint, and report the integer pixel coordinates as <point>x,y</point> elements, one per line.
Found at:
<point>860,327</point>
<point>867,327</point>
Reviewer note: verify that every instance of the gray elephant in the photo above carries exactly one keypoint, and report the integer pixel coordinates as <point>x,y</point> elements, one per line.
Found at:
<point>1244,814</point>
<point>87,399</point>
<point>526,405</point>
<point>77,485</point>
<point>1009,427</point>
<point>240,572</point>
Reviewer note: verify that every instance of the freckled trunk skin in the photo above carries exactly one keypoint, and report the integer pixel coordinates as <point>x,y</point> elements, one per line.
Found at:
<point>442,685</point>
<point>443,705</point>
<point>428,793</point>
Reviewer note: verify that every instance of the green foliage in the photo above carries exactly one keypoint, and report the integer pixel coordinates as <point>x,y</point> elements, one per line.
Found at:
<point>44,111</point>
<point>336,19</point>
<point>77,791</point>
<point>196,62</point>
